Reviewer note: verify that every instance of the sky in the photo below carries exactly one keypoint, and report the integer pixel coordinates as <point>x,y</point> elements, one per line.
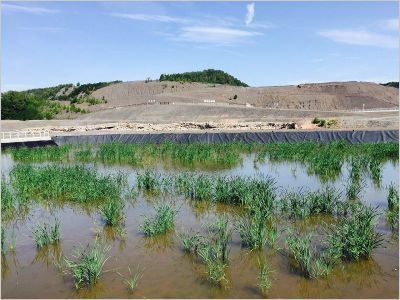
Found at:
<point>260,43</point>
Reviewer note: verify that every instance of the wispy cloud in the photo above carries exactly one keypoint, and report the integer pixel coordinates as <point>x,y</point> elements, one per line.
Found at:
<point>44,29</point>
<point>205,30</point>
<point>151,18</point>
<point>215,35</point>
<point>250,13</point>
<point>389,24</point>
<point>360,37</point>
<point>28,9</point>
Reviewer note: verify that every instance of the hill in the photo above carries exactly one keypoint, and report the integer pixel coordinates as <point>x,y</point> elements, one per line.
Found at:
<point>205,76</point>
<point>46,103</point>
<point>313,96</point>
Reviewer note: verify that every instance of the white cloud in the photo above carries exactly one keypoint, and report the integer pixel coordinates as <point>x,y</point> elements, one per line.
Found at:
<point>215,35</point>
<point>389,24</point>
<point>250,13</point>
<point>360,37</point>
<point>150,18</point>
<point>29,9</point>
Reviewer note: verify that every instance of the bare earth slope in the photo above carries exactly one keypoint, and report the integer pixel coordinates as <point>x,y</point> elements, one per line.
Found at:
<point>316,96</point>
<point>173,106</point>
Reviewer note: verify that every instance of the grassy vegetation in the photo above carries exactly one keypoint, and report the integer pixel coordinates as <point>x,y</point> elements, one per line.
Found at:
<point>324,160</point>
<point>305,257</point>
<point>112,212</point>
<point>87,264</point>
<point>206,76</point>
<point>40,154</point>
<point>3,241</point>
<point>354,237</point>
<point>69,183</point>
<point>213,248</point>
<point>392,212</point>
<point>264,277</point>
<point>46,234</point>
<point>8,200</point>
<point>300,204</point>
<point>161,222</point>
<point>132,280</point>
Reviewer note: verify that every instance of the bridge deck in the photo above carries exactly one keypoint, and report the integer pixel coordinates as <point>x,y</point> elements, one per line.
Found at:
<point>24,136</point>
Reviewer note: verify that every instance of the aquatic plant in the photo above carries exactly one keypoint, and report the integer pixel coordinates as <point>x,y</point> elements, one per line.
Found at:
<point>149,181</point>
<point>112,212</point>
<point>211,253</point>
<point>8,200</point>
<point>305,257</point>
<point>88,263</point>
<point>69,183</point>
<point>161,222</point>
<point>3,241</point>
<point>199,188</point>
<point>392,212</point>
<point>46,234</point>
<point>354,189</point>
<point>39,154</point>
<point>354,236</point>
<point>222,236</point>
<point>132,280</point>
<point>264,276</point>
<point>255,231</point>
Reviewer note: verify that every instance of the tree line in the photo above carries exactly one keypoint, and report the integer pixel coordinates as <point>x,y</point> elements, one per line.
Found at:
<point>206,76</point>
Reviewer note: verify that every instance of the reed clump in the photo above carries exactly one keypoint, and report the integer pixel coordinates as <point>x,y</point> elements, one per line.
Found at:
<point>162,222</point>
<point>392,212</point>
<point>87,263</point>
<point>354,237</point>
<point>46,234</point>
<point>69,183</point>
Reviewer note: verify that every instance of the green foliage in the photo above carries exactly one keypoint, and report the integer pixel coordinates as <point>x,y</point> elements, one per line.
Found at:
<point>88,88</point>
<point>324,123</point>
<point>161,222</point>
<point>300,205</point>
<point>394,84</point>
<point>49,92</point>
<point>20,106</point>
<point>392,213</point>
<point>264,277</point>
<point>354,237</point>
<point>132,280</point>
<point>3,241</point>
<point>305,257</point>
<point>112,212</point>
<point>206,76</point>
<point>37,104</point>
<point>8,200</point>
<point>88,263</point>
<point>69,183</point>
<point>149,181</point>
<point>46,234</point>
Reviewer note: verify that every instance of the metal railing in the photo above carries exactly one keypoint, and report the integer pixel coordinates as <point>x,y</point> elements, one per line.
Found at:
<point>8,135</point>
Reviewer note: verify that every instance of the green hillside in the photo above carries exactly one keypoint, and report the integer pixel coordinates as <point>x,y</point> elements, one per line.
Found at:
<point>206,76</point>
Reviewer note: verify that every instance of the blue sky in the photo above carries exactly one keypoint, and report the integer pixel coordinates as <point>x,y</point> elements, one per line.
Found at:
<point>261,43</point>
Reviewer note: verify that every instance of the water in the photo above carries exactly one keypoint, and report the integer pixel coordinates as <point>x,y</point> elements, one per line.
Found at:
<point>168,271</point>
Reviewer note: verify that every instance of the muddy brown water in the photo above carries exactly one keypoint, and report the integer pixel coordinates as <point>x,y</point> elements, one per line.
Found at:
<point>168,272</point>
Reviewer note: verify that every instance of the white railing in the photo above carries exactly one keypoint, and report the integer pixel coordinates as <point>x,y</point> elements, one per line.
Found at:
<point>24,135</point>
